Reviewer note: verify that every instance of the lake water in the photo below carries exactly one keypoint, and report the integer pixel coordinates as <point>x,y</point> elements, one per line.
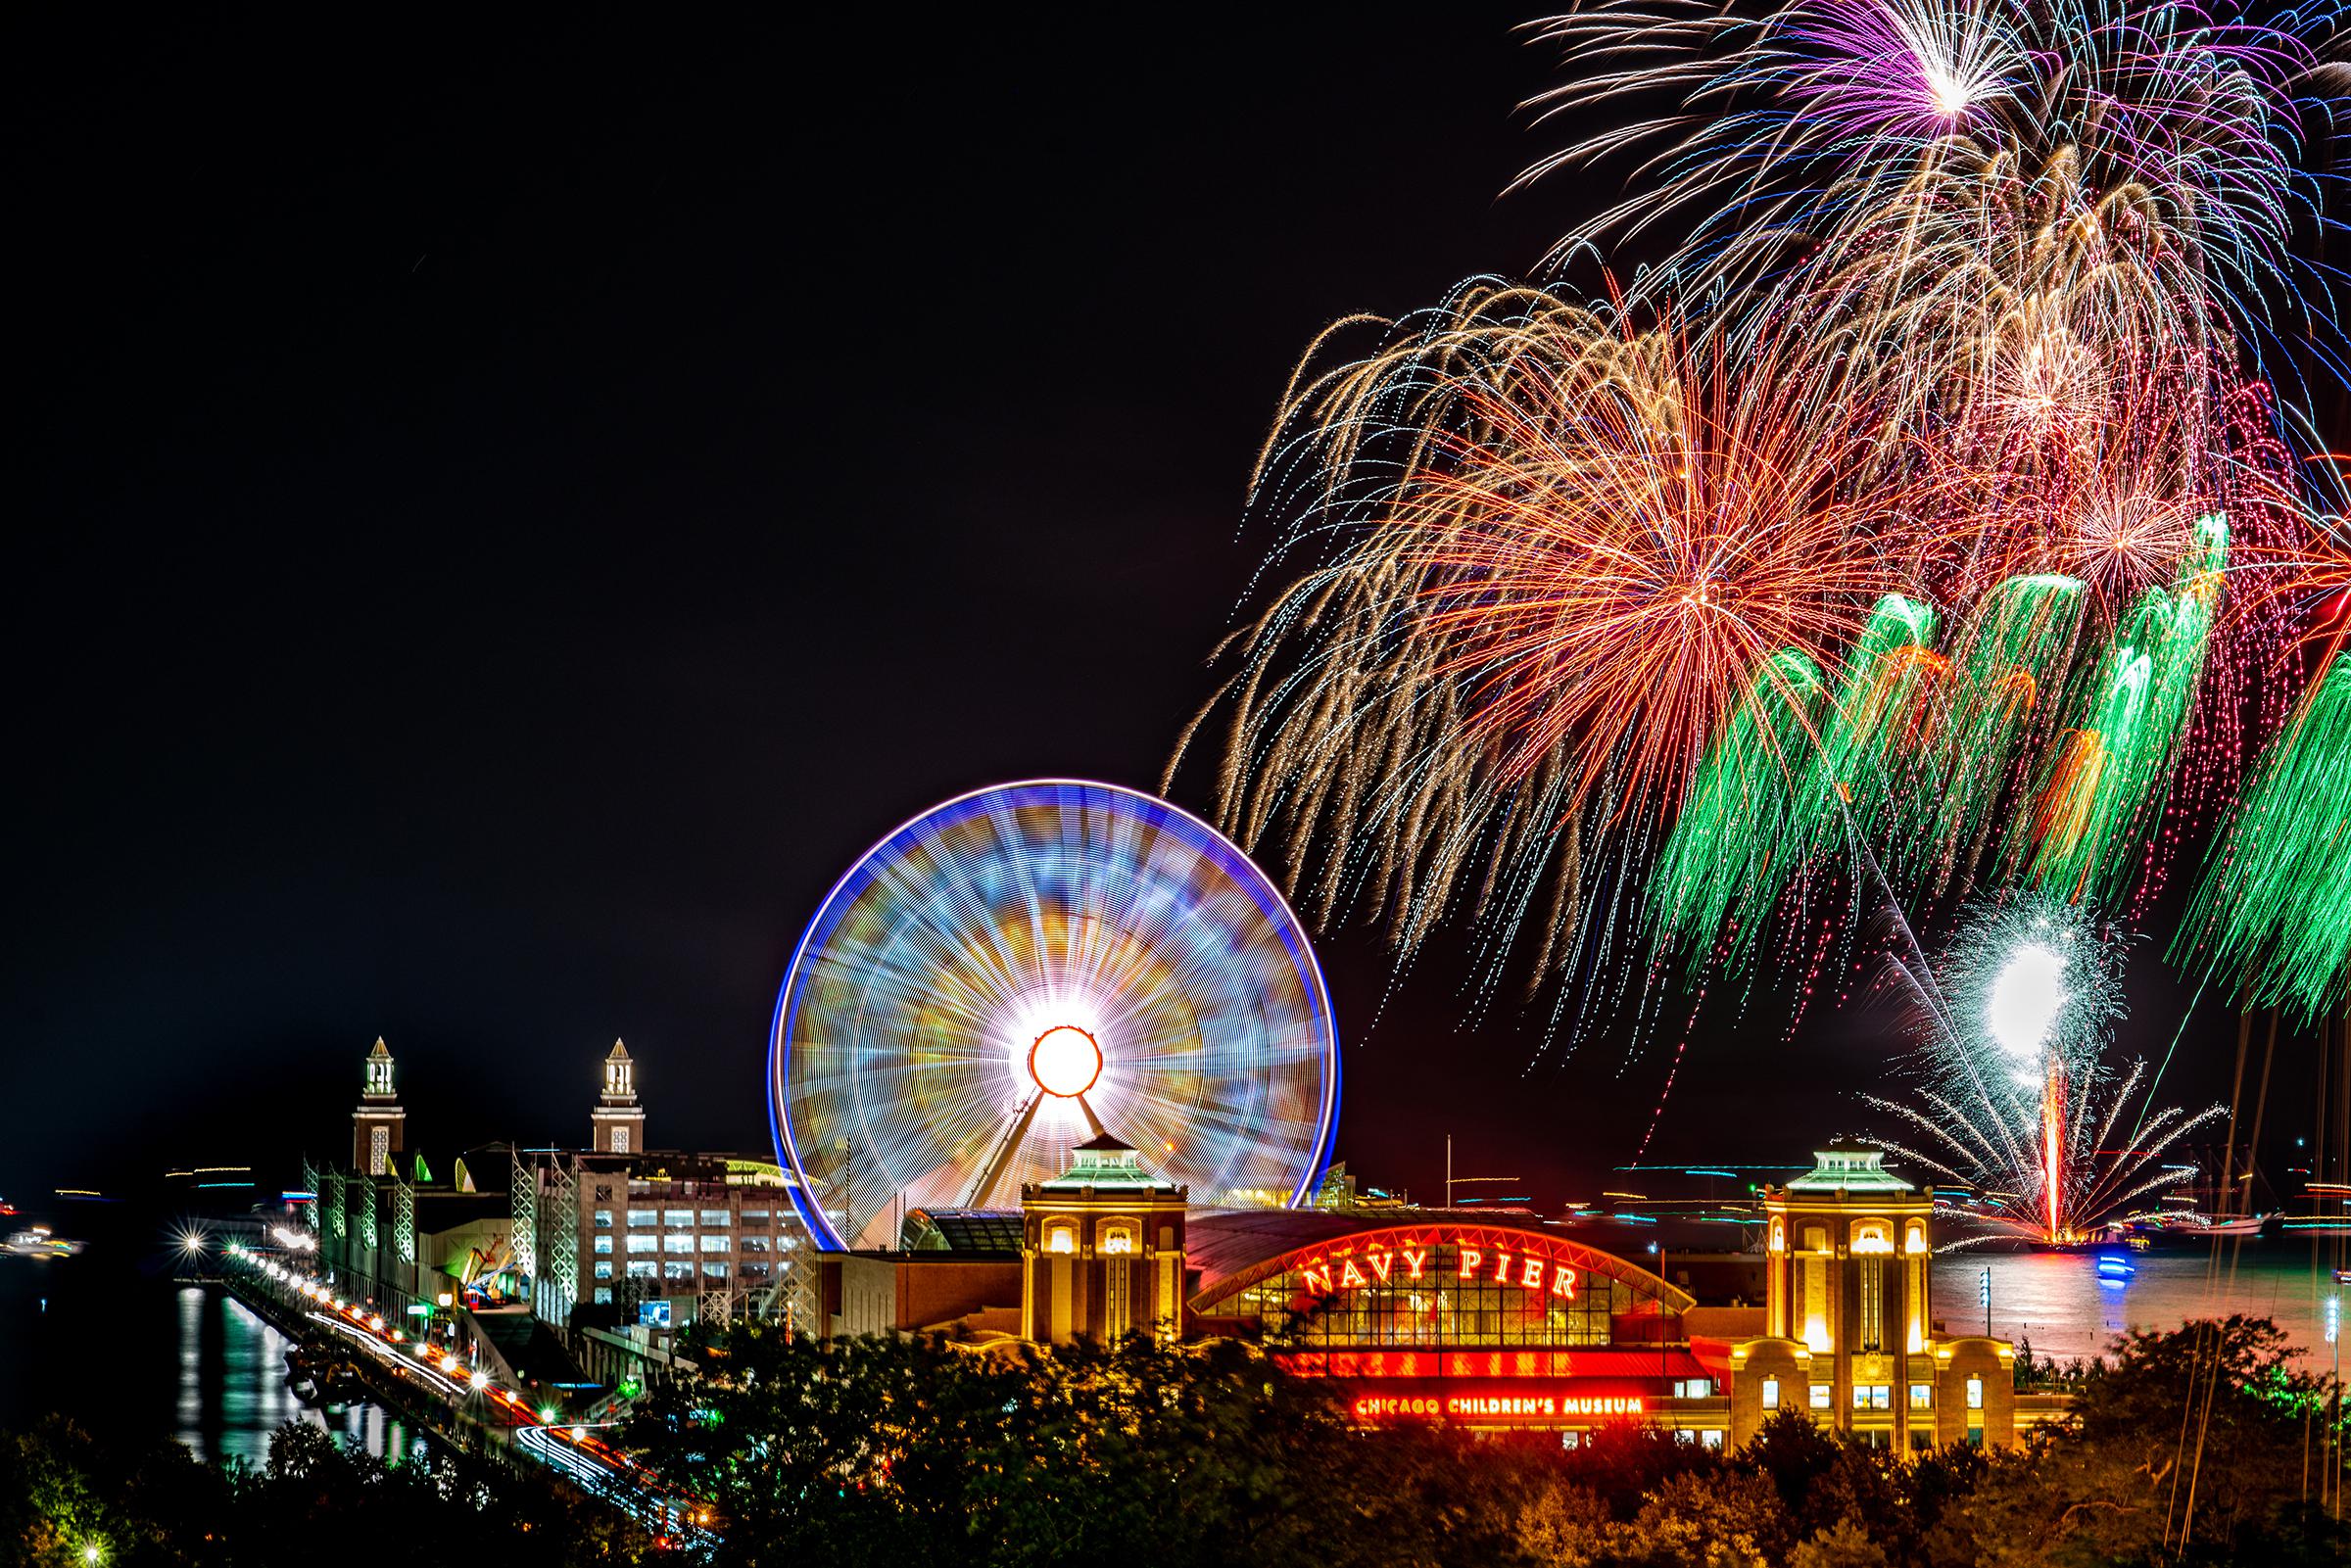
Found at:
<point>2057,1301</point>
<point>111,1341</point>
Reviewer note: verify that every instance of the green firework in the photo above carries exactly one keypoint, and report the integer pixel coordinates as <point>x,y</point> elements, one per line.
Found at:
<point>2008,668</point>
<point>1740,836</point>
<point>2272,915</point>
<point>2103,791</point>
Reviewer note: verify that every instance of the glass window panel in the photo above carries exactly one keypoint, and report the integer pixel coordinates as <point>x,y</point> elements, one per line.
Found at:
<point>677,1244</point>
<point>715,1243</point>
<point>643,1271</point>
<point>645,1243</point>
<point>677,1216</point>
<point>604,1268</point>
<point>672,1269</point>
<point>715,1271</point>
<point>714,1216</point>
<point>642,1217</point>
<point>604,1219</point>
<point>603,1244</point>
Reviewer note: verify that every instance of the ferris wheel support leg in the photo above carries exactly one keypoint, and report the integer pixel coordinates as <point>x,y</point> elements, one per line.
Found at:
<point>985,1186</point>
<point>1091,1121</point>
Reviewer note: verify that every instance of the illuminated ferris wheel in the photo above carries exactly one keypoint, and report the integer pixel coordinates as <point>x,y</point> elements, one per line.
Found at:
<point>1025,967</point>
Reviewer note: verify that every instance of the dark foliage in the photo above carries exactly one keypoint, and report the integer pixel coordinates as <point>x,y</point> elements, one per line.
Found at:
<point>64,1493</point>
<point>892,1450</point>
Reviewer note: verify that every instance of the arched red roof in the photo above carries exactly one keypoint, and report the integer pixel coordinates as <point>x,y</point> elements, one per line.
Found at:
<point>1235,1249</point>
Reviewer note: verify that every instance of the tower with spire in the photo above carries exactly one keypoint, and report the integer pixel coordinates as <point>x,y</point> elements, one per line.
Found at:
<point>618,1119</point>
<point>379,1126</point>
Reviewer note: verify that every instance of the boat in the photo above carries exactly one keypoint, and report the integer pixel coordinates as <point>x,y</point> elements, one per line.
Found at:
<point>2115,1268</point>
<point>38,1241</point>
<point>2342,1276</point>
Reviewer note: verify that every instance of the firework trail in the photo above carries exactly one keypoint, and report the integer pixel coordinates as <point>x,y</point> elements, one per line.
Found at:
<point>2015,1099</point>
<point>2272,914</point>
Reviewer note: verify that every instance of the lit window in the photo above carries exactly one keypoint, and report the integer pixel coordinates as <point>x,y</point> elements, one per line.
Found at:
<point>1873,1396</point>
<point>677,1216</point>
<point>604,1295</point>
<point>715,1243</point>
<point>1684,1435</point>
<point>677,1244</point>
<point>1771,1394</point>
<point>645,1243</point>
<point>754,1244</point>
<point>1061,1239</point>
<point>645,1271</point>
<point>1920,1396</point>
<point>1571,1439</point>
<point>755,1270</point>
<point>1117,1239</point>
<point>603,1269</point>
<point>642,1217</point>
<point>603,1244</point>
<point>715,1217</point>
<point>715,1271</point>
<point>754,1216</point>
<point>1710,1440</point>
<point>1820,1395</point>
<point>604,1219</point>
<point>1975,1394</point>
<point>677,1270</point>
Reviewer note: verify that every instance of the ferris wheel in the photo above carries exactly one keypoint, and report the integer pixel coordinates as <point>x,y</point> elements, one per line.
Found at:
<point>1028,966</point>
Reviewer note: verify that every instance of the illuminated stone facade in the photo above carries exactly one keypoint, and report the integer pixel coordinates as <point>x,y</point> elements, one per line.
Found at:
<point>1850,1333</point>
<point>1101,1249</point>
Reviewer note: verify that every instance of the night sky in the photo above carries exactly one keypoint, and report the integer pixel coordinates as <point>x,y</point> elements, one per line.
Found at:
<point>503,516</point>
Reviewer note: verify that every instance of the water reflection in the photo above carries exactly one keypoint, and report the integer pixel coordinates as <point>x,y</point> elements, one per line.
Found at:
<point>232,1395</point>
<point>2058,1301</point>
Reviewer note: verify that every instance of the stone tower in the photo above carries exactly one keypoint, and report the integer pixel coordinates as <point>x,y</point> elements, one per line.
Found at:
<point>619,1120</point>
<point>379,1126</point>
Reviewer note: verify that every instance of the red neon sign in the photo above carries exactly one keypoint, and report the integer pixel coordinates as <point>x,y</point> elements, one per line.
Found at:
<point>1412,1266</point>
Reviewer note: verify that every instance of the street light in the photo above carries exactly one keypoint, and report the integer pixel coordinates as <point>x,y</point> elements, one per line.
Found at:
<point>90,1553</point>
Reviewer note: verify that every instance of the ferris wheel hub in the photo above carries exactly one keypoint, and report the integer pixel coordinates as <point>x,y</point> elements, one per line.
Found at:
<point>1065,1061</point>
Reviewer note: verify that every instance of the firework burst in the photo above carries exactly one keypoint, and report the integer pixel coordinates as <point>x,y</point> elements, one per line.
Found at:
<point>1920,529</point>
<point>2015,1099</point>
